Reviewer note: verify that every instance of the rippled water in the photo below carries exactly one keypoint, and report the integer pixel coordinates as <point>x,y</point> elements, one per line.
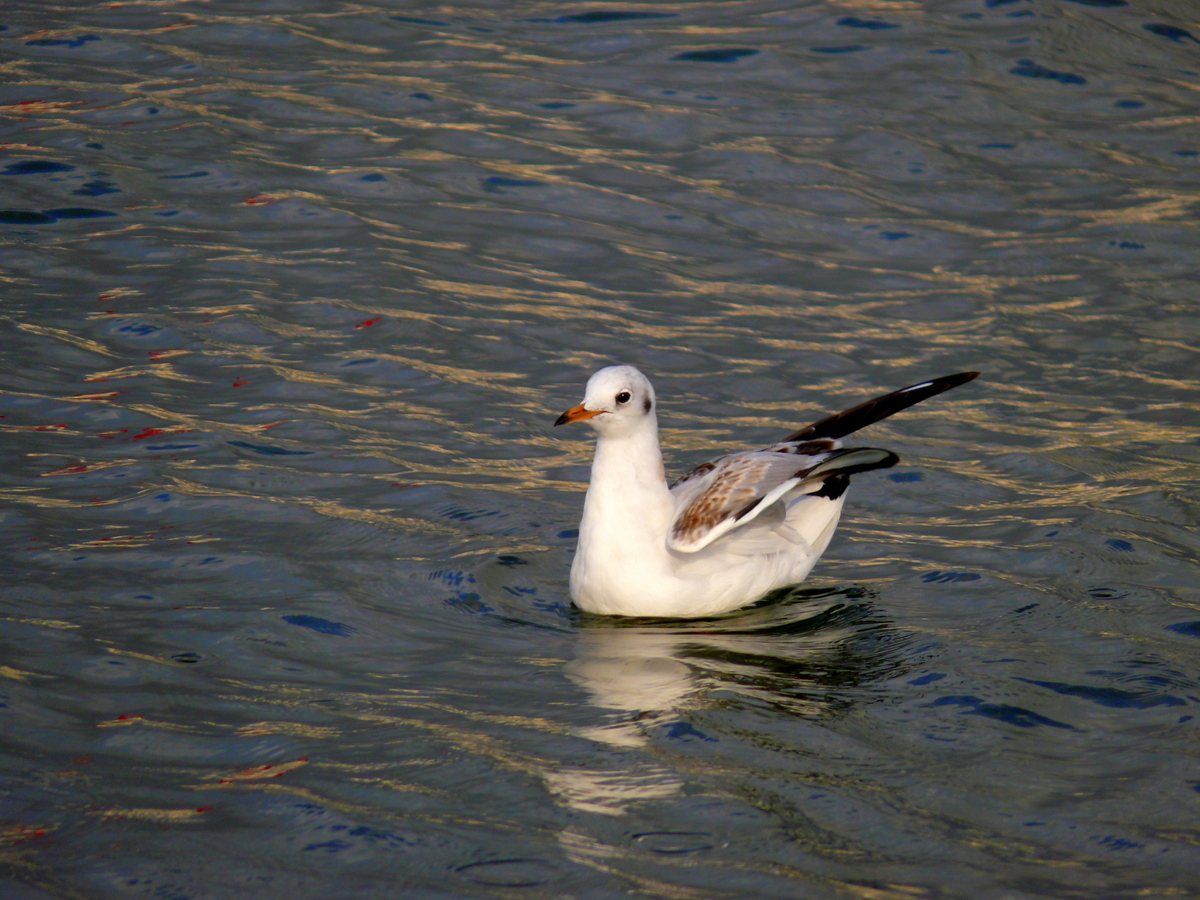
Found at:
<point>294,291</point>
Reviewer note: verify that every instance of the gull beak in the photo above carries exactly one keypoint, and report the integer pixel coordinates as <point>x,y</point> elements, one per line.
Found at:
<point>577,414</point>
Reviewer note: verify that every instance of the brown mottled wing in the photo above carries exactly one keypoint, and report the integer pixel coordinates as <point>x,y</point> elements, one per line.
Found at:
<point>733,484</point>
<point>734,490</point>
<point>795,448</point>
<point>721,495</point>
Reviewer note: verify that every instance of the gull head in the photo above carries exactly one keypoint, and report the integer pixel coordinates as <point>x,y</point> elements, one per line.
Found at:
<point>618,400</point>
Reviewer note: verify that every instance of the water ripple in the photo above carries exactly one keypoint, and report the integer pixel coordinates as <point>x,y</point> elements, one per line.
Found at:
<point>294,293</point>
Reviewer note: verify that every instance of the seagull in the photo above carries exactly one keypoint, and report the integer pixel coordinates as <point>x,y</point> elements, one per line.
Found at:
<point>730,530</point>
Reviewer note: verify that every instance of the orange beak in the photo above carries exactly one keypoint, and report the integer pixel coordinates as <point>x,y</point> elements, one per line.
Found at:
<point>577,414</point>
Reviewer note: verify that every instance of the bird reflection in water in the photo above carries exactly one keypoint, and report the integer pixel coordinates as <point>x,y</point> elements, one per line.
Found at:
<point>803,651</point>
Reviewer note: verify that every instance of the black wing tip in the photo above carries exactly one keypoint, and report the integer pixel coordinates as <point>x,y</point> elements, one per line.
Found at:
<point>953,381</point>
<point>937,385</point>
<point>886,461</point>
<point>835,484</point>
<point>848,421</point>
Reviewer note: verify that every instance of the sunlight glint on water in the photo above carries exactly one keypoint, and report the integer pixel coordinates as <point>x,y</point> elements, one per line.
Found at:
<point>294,293</point>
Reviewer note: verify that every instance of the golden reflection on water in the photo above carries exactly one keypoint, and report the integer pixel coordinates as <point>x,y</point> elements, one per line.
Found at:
<point>724,236</point>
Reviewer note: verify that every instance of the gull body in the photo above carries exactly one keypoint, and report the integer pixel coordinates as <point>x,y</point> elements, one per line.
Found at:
<point>724,534</point>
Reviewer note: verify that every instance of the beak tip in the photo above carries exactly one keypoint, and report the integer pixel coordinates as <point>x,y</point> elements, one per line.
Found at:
<point>578,413</point>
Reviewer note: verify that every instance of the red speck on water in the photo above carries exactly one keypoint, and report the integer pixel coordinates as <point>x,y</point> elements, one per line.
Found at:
<point>369,322</point>
<point>154,432</point>
<point>240,383</point>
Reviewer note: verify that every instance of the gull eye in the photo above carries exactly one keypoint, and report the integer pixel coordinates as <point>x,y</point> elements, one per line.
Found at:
<point>623,397</point>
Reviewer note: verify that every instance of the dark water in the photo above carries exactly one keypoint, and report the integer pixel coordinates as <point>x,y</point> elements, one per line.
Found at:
<point>293,293</point>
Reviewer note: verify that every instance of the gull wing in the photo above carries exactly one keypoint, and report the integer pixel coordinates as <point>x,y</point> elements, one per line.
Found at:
<point>848,421</point>
<point>721,495</point>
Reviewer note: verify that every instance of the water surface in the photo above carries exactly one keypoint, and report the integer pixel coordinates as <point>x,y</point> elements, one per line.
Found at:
<point>294,291</point>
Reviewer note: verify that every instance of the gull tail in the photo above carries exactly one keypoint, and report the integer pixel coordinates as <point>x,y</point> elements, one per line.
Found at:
<point>841,424</point>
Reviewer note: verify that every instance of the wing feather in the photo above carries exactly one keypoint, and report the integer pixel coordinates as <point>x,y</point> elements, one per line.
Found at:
<point>848,421</point>
<point>735,490</point>
<point>719,496</point>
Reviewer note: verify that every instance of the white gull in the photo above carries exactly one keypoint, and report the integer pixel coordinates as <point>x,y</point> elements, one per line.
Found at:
<point>727,532</point>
